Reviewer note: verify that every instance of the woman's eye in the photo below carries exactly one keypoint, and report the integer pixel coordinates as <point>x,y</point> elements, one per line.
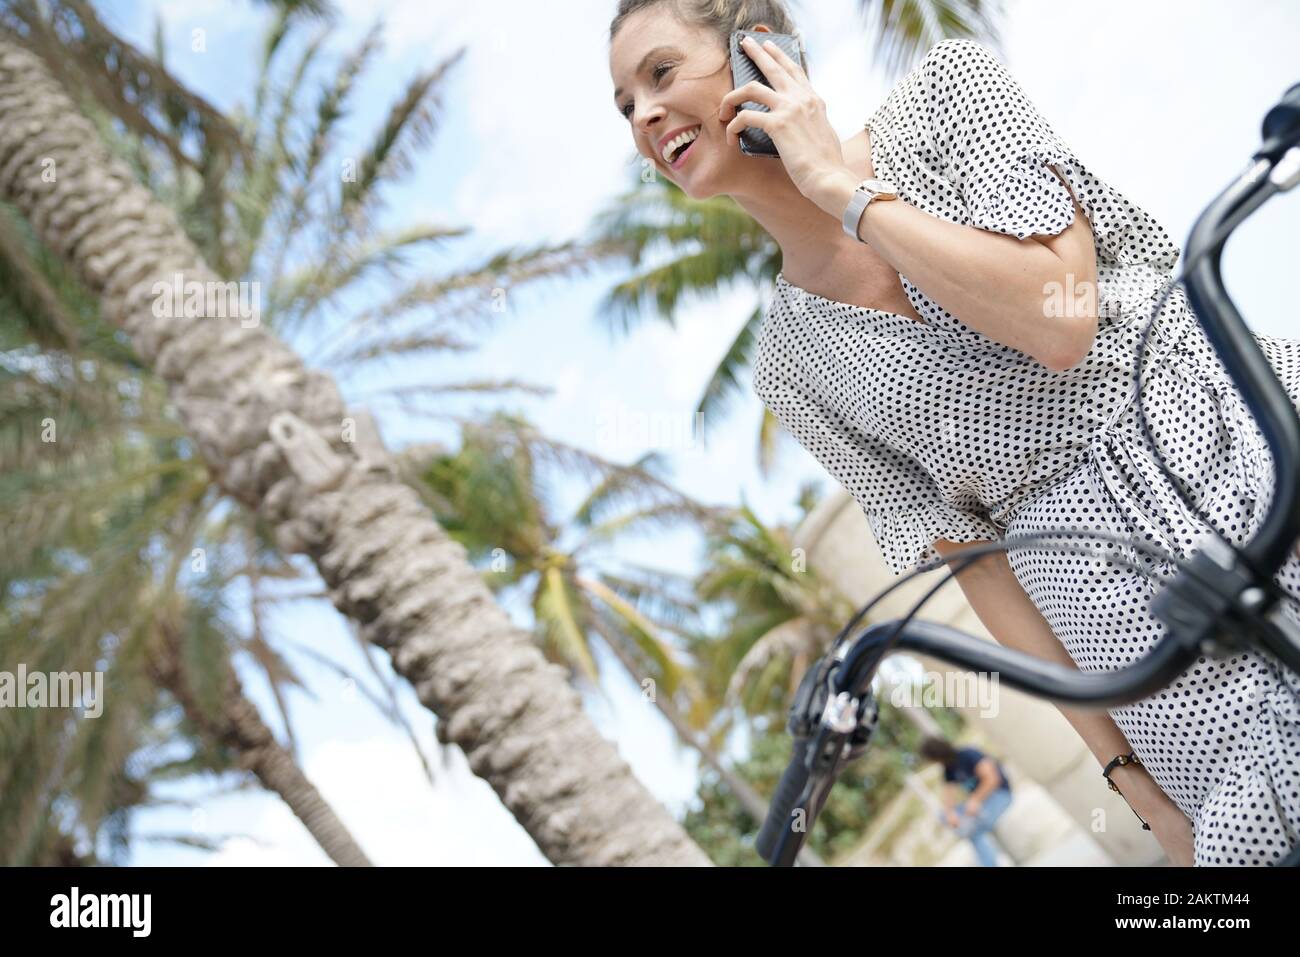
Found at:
<point>656,73</point>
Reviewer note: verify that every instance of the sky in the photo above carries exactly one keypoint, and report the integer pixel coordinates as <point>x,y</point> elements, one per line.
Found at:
<point>1162,99</point>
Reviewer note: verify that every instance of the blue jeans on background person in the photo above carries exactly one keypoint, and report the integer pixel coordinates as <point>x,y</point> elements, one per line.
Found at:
<point>978,826</point>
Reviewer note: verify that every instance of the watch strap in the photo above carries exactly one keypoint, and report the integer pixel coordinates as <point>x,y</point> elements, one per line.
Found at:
<point>863,195</point>
<point>858,202</point>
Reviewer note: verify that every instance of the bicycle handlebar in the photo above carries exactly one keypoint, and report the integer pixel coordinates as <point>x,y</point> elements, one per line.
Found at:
<point>788,791</point>
<point>1246,364</point>
<point>1042,678</point>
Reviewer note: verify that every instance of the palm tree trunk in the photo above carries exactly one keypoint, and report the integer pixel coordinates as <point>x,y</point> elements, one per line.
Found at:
<point>273,435</point>
<point>239,727</point>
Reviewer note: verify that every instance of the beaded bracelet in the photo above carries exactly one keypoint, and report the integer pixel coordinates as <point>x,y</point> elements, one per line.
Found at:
<point>1119,761</point>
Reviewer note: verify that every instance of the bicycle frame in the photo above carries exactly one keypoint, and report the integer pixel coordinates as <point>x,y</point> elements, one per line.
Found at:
<point>1219,586</point>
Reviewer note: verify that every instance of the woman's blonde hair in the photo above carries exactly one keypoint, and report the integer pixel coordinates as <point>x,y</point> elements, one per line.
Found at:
<point>723,17</point>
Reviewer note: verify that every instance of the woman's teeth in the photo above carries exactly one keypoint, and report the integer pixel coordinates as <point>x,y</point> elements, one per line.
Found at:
<point>678,141</point>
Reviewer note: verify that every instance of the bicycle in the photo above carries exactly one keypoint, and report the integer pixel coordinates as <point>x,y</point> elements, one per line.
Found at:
<point>834,713</point>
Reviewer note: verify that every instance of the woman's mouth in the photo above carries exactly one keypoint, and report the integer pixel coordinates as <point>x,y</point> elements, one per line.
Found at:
<point>679,148</point>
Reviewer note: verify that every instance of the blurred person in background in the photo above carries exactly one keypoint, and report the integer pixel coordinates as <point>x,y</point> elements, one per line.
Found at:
<point>987,789</point>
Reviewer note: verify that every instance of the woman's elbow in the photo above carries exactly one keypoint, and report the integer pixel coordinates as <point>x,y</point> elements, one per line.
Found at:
<point>1071,342</point>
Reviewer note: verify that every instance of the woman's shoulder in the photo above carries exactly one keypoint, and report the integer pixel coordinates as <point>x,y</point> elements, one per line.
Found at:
<point>908,105</point>
<point>959,59</point>
<point>957,49</point>
<point>950,59</point>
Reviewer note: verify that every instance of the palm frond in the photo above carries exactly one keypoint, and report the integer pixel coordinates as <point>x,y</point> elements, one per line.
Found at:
<point>127,82</point>
<point>652,649</point>
<point>300,293</point>
<point>483,291</point>
<point>729,377</point>
<point>409,125</point>
<point>331,106</point>
<point>617,489</point>
<point>785,642</point>
<point>563,637</point>
<point>904,30</point>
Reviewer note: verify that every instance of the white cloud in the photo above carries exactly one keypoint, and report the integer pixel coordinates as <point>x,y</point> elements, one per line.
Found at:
<point>547,145</point>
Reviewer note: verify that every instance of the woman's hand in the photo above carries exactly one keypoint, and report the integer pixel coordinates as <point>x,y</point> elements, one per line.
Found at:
<point>797,123</point>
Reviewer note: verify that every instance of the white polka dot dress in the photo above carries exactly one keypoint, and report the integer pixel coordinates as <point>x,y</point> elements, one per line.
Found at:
<point>940,432</point>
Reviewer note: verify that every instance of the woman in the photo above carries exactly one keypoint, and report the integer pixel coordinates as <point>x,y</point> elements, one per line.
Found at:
<point>963,365</point>
<point>986,790</point>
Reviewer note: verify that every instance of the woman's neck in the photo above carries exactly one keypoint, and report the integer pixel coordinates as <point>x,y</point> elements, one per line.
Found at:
<point>816,253</point>
<point>807,236</point>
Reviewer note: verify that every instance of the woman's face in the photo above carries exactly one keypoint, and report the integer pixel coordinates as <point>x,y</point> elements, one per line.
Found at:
<point>670,78</point>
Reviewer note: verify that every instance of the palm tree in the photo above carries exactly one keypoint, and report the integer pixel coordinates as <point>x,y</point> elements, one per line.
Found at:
<point>236,723</point>
<point>233,180</point>
<point>66,774</point>
<point>697,247</point>
<point>267,183</point>
<point>273,434</point>
<point>781,616</point>
<point>89,511</point>
<point>489,496</point>
<point>67,806</point>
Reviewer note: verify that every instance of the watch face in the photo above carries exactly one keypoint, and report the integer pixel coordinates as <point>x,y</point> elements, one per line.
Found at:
<point>881,186</point>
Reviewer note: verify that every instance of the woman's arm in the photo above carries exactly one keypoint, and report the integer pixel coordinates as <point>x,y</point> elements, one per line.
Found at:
<point>997,284</point>
<point>991,273</point>
<point>996,596</point>
<point>950,795</point>
<point>990,780</point>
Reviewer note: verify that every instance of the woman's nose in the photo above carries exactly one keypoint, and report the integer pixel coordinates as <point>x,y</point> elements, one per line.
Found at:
<point>649,121</point>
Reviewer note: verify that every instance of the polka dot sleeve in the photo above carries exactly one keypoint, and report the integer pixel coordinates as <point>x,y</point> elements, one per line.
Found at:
<point>902,503</point>
<point>996,141</point>
<point>907,536</point>
<point>1014,173</point>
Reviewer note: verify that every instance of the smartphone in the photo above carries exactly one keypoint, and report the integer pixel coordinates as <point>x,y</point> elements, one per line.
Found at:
<point>753,141</point>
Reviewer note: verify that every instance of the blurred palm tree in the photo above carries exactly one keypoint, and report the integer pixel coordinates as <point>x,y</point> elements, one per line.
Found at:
<point>490,496</point>
<point>697,248</point>
<point>275,192</point>
<point>99,520</point>
<point>777,615</point>
<point>84,378</point>
<point>780,615</point>
<point>903,31</point>
<point>277,181</point>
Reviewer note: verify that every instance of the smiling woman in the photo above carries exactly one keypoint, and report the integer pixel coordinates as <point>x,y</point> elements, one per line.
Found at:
<point>670,66</point>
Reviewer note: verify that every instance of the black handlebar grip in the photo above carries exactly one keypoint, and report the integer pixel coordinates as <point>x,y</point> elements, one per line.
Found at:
<point>786,797</point>
<point>1283,118</point>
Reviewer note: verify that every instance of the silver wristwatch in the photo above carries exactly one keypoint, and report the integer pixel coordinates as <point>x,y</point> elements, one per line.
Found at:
<point>868,190</point>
